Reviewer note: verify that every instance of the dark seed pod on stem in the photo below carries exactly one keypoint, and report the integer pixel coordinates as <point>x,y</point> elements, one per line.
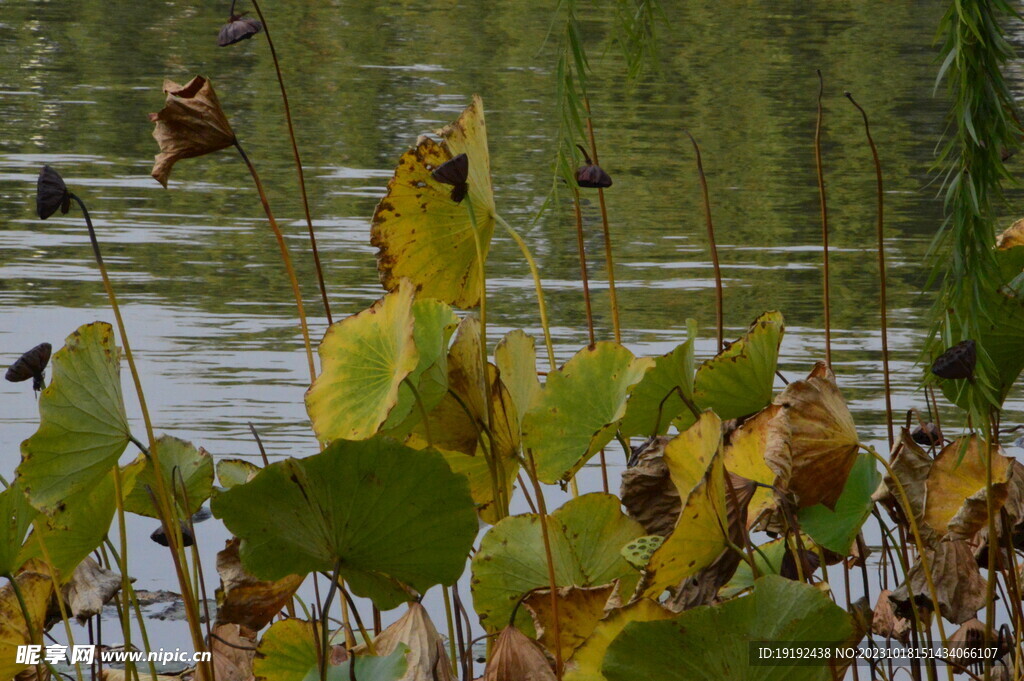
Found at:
<point>237,29</point>
<point>51,194</point>
<point>454,171</point>
<point>31,365</point>
<point>957,362</point>
<point>591,175</point>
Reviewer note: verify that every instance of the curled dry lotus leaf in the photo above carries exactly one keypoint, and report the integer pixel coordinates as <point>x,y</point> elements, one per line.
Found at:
<point>364,360</point>
<point>83,428</point>
<point>288,652</point>
<point>817,439</point>
<point>585,664</point>
<point>89,589</point>
<point>36,590</point>
<point>517,658</point>
<point>579,611</point>
<point>190,124</point>
<point>427,659</point>
<point>885,622</point>
<point>710,643</point>
<point>958,582</point>
<point>586,534</point>
<point>639,551</point>
<point>580,407</point>
<point>397,520</point>
<point>738,380</point>
<point>911,466</point>
<point>647,491</point>
<point>421,233</point>
<point>244,599</point>
<point>187,471</point>
<point>232,648</point>
<point>956,500</point>
<point>700,532</point>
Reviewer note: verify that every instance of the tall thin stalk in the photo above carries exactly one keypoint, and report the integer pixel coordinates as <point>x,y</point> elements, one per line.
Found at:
<point>711,242</point>
<point>531,473</point>
<point>824,224</point>
<point>285,257</point>
<point>298,163</point>
<point>608,259</point>
<point>583,264</point>
<point>880,230</point>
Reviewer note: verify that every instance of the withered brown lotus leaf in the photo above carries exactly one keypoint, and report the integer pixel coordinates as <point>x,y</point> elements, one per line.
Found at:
<point>245,600</point>
<point>956,501</point>
<point>238,28</point>
<point>885,622</point>
<point>51,193</point>
<point>191,124</point>
<point>647,491</point>
<point>959,585</point>
<point>427,658</point>
<point>233,648</point>
<point>911,465</point>
<point>579,611</point>
<point>822,440</point>
<point>517,658</point>
<point>90,588</point>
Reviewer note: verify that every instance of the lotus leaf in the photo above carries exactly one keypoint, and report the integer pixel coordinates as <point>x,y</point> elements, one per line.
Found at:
<point>579,611</point>
<point>836,529</point>
<point>16,516</point>
<point>36,589</point>
<point>956,497</point>
<point>655,402</point>
<point>181,463</point>
<point>585,664</point>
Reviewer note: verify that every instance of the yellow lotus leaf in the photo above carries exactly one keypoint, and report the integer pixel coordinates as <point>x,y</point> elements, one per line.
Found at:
<point>579,611</point>
<point>745,456</point>
<point>819,442</point>
<point>364,360</point>
<point>421,232</point>
<point>481,485</point>
<point>955,501</point>
<point>700,532</point>
<point>516,357</point>
<point>688,454</point>
<point>585,664</point>
<point>36,590</point>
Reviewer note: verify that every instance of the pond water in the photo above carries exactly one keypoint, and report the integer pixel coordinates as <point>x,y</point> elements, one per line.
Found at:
<point>209,309</point>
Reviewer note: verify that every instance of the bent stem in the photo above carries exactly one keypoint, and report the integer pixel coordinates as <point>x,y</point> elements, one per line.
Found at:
<point>524,249</point>
<point>163,502</point>
<point>609,261</point>
<point>824,225</point>
<point>881,269</point>
<point>298,164</point>
<point>583,263</point>
<point>285,258</point>
<point>711,243</point>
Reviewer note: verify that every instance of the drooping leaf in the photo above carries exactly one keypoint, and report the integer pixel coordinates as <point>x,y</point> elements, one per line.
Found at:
<point>83,427</point>
<point>424,235</point>
<point>516,359</point>
<point>232,472</point>
<point>517,657</point>
<point>585,664</point>
<point>181,463</point>
<point>427,657</point>
<point>745,455</point>
<point>579,611</point>
<point>36,589</point>
<point>89,589</point>
<point>956,499</point>
<point>16,516</point>
<point>586,535</point>
<point>738,381</point>
<point>398,520</point>
<point>710,643</point>
<point>364,360</point>
<point>580,407</point>
<point>244,599</point>
<point>655,401</point>
<point>700,532</point>
<point>959,584</point>
<point>647,490</point>
<point>836,529</point>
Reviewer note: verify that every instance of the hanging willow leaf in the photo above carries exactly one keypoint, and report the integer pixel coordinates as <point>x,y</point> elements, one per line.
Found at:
<point>421,232</point>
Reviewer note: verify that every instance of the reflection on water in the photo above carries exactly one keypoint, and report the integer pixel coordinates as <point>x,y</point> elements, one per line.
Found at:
<point>196,268</point>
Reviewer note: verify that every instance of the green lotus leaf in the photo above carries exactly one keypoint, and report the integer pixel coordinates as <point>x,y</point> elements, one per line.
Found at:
<point>738,381</point>
<point>580,408</point>
<point>83,428</point>
<point>233,472</point>
<point>67,536</point>
<point>364,360</point>
<point>288,652</point>
<point>181,463</point>
<point>586,535</point>
<point>397,520</point>
<point>768,557</point>
<point>434,324</point>
<point>655,401</point>
<point>16,516</point>
<point>477,472</point>
<point>516,358</point>
<point>421,232</point>
<point>710,643</point>
<point>836,530</point>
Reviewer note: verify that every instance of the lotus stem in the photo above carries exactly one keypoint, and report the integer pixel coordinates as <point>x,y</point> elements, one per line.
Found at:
<point>991,440</point>
<point>719,317</point>
<point>325,635</point>
<point>524,249</point>
<point>285,258</point>
<point>298,163</point>
<point>609,260</point>
<point>531,473</point>
<point>163,503</point>
<point>824,224</point>
<point>881,269</point>
<point>450,617</point>
<point>583,264</point>
<point>359,621</point>
<point>482,274</point>
<point>122,567</point>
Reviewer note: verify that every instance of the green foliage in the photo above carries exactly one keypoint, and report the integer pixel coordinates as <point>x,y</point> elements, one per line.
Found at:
<point>16,516</point>
<point>836,530</point>
<point>188,471</point>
